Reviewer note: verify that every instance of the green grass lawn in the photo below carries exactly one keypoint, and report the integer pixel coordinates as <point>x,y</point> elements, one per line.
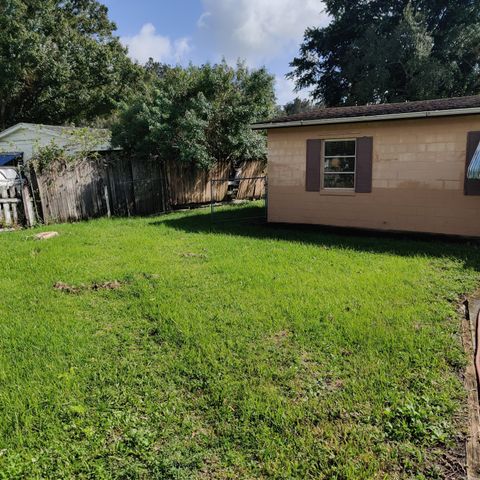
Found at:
<point>238,351</point>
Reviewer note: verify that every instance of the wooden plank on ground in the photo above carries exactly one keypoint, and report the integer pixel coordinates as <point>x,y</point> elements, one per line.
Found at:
<point>470,342</point>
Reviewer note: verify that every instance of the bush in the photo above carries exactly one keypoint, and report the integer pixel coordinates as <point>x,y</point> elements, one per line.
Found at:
<point>199,115</point>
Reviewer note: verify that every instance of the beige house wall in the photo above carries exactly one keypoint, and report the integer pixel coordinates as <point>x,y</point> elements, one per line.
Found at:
<point>418,176</point>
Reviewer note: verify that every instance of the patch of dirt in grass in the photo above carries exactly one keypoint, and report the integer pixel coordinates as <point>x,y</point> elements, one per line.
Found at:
<point>113,285</point>
<point>65,287</point>
<point>115,437</point>
<point>313,381</point>
<point>194,255</point>
<point>452,465</point>
<point>213,470</point>
<point>332,384</point>
<point>151,276</point>
<point>280,337</point>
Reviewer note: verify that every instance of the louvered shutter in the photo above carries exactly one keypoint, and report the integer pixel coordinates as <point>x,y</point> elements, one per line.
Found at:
<point>312,173</point>
<point>363,167</point>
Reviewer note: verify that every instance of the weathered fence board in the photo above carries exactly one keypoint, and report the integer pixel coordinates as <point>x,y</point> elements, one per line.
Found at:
<point>255,188</point>
<point>28,208</point>
<point>148,178</point>
<point>122,196</point>
<point>73,192</point>
<point>188,185</point>
<point>122,186</point>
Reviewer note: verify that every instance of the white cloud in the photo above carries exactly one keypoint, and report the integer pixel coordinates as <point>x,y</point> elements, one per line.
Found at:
<point>258,30</point>
<point>284,89</point>
<point>149,44</point>
<point>202,21</point>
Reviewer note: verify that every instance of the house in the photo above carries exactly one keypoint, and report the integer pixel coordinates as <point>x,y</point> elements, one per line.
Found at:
<point>24,139</point>
<point>396,167</point>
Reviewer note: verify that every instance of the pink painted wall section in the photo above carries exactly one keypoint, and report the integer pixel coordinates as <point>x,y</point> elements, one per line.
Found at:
<point>418,178</point>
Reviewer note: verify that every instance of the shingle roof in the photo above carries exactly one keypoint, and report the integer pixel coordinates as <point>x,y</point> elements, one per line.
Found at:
<point>342,113</point>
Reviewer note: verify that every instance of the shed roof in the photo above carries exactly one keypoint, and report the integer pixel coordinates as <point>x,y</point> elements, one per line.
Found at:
<point>384,111</point>
<point>53,129</point>
<point>99,138</point>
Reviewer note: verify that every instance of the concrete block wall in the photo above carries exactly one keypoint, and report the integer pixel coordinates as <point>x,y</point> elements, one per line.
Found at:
<point>418,177</point>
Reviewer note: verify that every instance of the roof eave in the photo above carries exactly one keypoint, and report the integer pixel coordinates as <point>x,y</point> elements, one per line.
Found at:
<point>12,129</point>
<point>38,127</point>
<point>33,127</point>
<point>371,118</point>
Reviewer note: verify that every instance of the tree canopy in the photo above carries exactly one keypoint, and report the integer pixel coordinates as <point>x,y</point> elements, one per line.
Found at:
<point>60,62</point>
<point>198,115</point>
<point>386,51</point>
<point>298,105</point>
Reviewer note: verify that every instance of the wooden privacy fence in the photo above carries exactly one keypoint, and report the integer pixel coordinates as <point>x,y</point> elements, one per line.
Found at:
<point>72,192</point>
<point>123,186</point>
<point>190,186</point>
<point>253,188</point>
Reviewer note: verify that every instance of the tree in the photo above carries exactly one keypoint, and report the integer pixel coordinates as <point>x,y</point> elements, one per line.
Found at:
<point>386,51</point>
<point>199,115</point>
<point>60,62</point>
<point>298,105</point>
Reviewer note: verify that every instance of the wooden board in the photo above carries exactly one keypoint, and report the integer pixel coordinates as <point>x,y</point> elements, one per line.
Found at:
<point>470,342</point>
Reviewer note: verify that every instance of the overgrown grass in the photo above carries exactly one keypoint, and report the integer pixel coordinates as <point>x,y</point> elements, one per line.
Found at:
<point>238,351</point>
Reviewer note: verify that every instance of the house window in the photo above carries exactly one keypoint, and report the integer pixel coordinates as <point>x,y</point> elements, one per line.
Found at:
<point>339,164</point>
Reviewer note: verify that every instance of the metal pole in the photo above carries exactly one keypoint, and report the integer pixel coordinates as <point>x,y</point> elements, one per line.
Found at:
<point>266,197</point>
<point>211,200</point>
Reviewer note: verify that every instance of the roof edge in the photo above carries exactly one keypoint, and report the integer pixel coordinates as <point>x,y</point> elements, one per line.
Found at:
<point>367,118</point>
<point>50,129</point>
<point>33,127</point>
<point>13,128</point>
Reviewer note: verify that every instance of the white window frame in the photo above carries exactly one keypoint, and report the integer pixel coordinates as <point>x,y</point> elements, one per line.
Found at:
<point>324,157</point>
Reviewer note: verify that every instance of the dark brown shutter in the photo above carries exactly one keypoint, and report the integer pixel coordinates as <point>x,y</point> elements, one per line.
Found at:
<point>363,168</point>
<point>471,187</point>
<point>314,154</point>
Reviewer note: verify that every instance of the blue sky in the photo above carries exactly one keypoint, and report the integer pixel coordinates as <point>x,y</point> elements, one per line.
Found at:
<point>262,32</point>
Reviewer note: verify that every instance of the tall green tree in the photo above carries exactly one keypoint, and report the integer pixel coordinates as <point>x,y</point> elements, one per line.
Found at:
<point>392,50</point>
<point>298,105</point>
<point>60,62</point>
<point>199,115</point>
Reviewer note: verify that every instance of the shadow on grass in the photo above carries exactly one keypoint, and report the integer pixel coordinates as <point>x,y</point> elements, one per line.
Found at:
<point>249,222</point>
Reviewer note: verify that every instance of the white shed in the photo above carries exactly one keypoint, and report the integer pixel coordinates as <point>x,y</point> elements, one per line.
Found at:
<point>26,138</point>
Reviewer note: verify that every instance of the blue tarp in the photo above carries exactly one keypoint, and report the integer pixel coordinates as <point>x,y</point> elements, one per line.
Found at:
<point>9,158</point>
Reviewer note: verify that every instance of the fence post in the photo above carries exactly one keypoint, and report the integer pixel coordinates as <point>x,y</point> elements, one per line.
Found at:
<point>266,198</point>
<point>28,205</point>
<point>107,200</point>
<point>212,201</point>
